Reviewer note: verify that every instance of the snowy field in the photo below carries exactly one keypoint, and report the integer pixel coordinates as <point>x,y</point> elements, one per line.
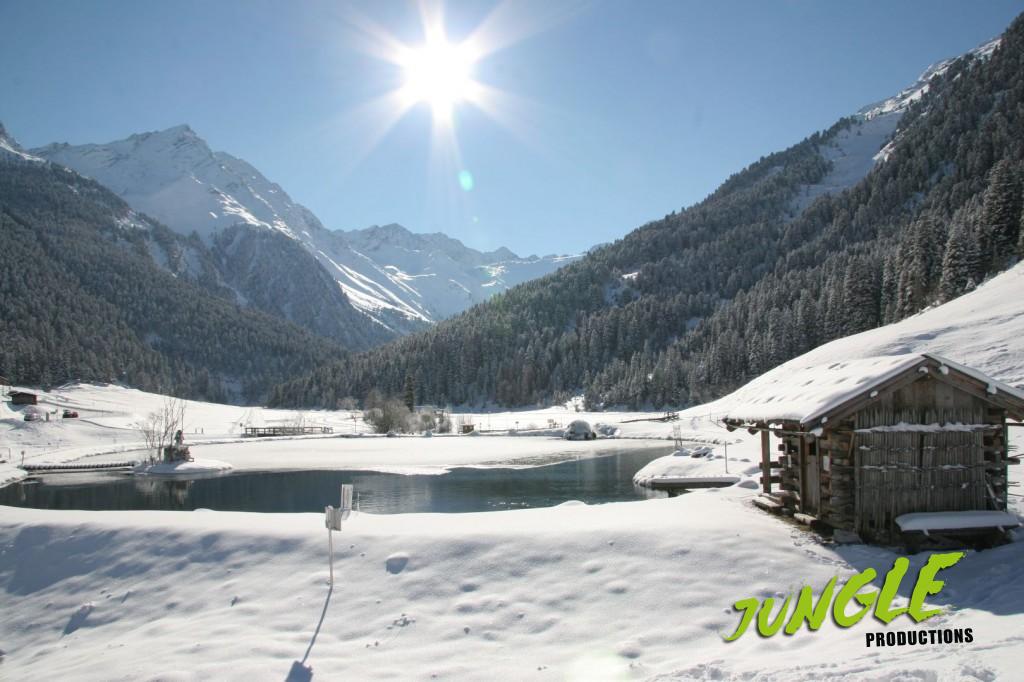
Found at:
<point>107,429</point>
<point>630,590</point>
<point>621,591</point>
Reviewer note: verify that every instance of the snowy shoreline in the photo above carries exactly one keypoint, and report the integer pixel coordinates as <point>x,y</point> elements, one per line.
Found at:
<point>453,595</point>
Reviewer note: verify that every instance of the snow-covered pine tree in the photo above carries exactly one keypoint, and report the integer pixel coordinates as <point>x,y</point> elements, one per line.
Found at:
<point>1020,238</point>
<point>957,266</point>
<point>1001,213</point>
<point>859,297</point>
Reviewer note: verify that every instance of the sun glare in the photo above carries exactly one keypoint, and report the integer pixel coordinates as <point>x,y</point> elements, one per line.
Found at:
<point>440,74</point>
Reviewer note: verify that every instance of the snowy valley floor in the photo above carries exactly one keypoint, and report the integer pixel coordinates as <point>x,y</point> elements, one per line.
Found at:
<point>619,591</point>
<point>633,590</point>
<point>629,590</point>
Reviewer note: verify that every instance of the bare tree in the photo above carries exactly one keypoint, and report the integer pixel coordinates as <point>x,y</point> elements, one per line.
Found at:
<point>159,427</point>
<point>392,415</point>
<point>348,403</point>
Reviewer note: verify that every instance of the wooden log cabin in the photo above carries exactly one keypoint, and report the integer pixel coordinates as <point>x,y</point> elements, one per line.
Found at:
<point>865,442</point>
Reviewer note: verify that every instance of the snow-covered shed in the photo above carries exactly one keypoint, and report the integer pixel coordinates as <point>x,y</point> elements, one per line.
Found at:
<point>865,441</point>
<point>23,398</point>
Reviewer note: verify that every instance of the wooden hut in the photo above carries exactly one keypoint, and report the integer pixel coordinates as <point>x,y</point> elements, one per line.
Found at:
<point>864,443</point>
<point>23,398</point>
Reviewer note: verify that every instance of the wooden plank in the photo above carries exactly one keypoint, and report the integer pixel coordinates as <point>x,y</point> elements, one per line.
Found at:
<point>767,504</point>
<point>766,458</point>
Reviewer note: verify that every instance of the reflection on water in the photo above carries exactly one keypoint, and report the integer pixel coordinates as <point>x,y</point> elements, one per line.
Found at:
<point>594,480</point>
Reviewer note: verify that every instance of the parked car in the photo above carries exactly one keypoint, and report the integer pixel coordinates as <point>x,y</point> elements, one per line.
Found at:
<point>70,414</point>
<point>33,417</point>
<point>579,430</point>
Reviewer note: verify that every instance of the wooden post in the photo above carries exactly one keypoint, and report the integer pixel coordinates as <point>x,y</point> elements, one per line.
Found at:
<point>766,461</point>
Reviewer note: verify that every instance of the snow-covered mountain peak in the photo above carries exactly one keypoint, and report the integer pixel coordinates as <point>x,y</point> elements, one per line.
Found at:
<point>10,150</point>
<point>397,278</point>
<point>904,98</point>
<point>871,136</point>
<point>174,176</point>
<point>378,237</point>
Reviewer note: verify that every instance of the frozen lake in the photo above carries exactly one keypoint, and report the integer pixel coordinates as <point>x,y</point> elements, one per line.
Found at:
<point>594,480</point>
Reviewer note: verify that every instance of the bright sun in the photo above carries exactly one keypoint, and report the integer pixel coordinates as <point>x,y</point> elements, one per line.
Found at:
<point>440,74</point>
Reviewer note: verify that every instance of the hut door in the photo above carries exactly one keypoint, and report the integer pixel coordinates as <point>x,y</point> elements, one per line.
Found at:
<point>810,496</point>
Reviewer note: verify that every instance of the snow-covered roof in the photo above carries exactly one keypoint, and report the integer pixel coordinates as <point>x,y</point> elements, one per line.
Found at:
<point>806,393</point>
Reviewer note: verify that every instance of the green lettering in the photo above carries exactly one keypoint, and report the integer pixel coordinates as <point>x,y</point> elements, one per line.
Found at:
<point>749,607</point>
<point>927,585</point>
<point>815,615</point>
<point>849,592</point>
<point>765,628</point>
<point>883,612</point>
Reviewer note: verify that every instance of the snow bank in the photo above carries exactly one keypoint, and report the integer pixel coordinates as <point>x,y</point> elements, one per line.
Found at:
<point>616,591</point>
<point>10,473</point>
<point>195,467</point>
<point>702,463</point>
<point>954,520</point>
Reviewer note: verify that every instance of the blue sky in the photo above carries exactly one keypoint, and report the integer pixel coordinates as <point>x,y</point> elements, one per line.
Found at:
<point>615,113</point>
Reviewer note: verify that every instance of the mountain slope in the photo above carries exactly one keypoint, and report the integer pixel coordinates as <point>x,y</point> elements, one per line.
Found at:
<point>686,308</point>
<point>82,297</point>
<point>251,224</point>
<point>397,280</point>
<point>983,329</point>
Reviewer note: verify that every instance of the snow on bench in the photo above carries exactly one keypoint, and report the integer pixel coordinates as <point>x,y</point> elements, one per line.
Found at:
<point>956,520</point>
<point>673,482</point>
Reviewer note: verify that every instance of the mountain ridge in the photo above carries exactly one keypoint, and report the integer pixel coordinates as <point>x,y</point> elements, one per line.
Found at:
<point>398,280</point>
<point>92,290</point>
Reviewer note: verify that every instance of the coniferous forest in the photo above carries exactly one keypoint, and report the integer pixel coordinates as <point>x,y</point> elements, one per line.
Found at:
<point>688,307</point>
<point>82,299</point>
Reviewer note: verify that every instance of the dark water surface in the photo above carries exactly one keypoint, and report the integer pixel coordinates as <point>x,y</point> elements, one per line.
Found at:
<point>595,480</point>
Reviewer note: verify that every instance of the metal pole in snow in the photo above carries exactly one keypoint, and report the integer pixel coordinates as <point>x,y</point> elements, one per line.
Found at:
<point>330,551</point>
<point>727,456</point>
<point>332,519</point>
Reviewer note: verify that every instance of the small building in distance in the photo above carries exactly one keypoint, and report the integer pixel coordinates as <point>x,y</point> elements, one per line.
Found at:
<point>865,443</point>
<point>23,398</point>
<point>290,430</point>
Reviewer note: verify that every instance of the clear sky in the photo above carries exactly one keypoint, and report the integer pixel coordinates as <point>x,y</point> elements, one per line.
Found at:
<point>602,115</point>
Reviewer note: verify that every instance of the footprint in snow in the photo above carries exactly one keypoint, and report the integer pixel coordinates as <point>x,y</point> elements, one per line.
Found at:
<point>617,587</point>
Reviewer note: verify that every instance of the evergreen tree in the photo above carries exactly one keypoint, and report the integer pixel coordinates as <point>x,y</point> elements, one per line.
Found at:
<point>957,264</point>
<point>409,392</point>
<point>859,297</point>
<point>1001,214</point>
<point>1020,238</point>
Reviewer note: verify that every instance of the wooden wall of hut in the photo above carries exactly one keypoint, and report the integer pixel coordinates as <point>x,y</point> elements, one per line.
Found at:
<point>858,476</point>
